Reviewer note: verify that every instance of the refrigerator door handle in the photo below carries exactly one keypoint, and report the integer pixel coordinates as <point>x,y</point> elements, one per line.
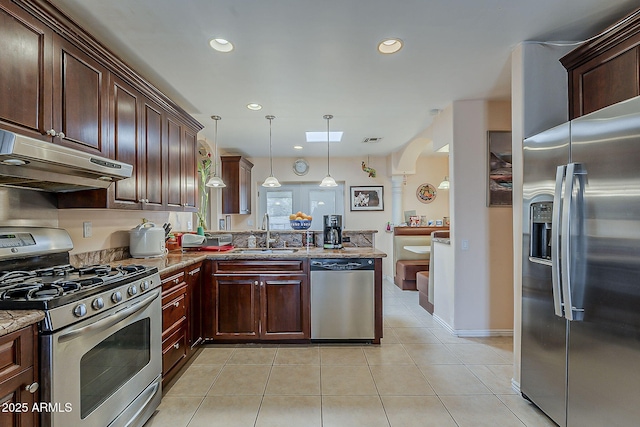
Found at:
<point>556,279</point>
<point>573,169</point>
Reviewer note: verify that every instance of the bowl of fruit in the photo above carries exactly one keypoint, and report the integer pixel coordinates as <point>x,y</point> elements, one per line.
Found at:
<point>300,221</point>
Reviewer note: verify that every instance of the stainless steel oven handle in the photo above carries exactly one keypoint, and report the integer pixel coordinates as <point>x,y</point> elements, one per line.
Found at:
<point>111,320</point>
<point>152,392</point>
<point>556,280</point>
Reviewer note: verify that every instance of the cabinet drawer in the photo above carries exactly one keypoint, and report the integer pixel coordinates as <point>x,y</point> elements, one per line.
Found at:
<point>174,349</point>
<point>174,310</point>
<point>170,282</point>
<point>16,352</point>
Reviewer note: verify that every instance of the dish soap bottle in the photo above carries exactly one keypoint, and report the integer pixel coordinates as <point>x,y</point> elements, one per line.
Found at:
<point>251,241</point>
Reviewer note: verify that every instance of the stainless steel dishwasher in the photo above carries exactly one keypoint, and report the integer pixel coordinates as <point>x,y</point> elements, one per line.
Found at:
<point>342,299</point>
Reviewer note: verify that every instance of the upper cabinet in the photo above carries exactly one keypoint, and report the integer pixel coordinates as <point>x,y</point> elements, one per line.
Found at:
<point>605,70</point>
<point>52,90</point>
<point>58,84</point>
<point>236,174</point>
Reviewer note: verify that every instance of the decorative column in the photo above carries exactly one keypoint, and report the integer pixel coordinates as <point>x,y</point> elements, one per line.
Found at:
<point>396,199</point>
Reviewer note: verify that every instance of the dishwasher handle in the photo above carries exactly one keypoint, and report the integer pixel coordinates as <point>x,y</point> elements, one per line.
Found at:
<point>342,264</point>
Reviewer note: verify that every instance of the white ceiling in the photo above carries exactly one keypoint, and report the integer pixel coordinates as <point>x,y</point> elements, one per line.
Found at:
<point>302,59</point>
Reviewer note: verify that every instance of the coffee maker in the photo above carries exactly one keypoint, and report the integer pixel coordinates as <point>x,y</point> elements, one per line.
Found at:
<point>333,231</point>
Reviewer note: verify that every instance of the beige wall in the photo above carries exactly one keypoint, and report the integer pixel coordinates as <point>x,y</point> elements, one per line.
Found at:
<point>482,282</point>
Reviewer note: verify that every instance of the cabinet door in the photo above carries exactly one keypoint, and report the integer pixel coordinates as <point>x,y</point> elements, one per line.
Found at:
<point>236,300</point>
<point>245,189</point>
<point>154,155</point>
<point>18,401</point>
<point>284,307</point>
<point>175,170</point>
<point>194,286</point>
<point>189,171</point>
<point>25,72</point>
<point>80,100</point>
<point>125,106</point>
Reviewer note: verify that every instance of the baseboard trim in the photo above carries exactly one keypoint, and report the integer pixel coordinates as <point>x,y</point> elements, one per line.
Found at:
<point>471,333</point>
<point>515,385</point>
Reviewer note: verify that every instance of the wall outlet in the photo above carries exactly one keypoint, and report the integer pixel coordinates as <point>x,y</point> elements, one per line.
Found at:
<point>189,226</point>
<point>86,229</point>
<point>464,245</point>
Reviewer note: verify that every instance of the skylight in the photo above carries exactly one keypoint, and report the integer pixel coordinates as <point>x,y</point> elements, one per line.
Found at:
<point>322,136</point>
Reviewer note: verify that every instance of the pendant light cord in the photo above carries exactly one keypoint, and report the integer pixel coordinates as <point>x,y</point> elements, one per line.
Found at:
<point>270,156</point>
<point>215,147</point>
<point>328,117</point>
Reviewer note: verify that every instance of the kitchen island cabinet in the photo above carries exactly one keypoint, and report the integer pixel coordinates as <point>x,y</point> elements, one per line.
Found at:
<point>18,378</point>
<point>259,300</point>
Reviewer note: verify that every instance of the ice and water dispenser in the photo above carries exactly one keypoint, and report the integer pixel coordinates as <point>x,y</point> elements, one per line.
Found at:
<point>541,214</point>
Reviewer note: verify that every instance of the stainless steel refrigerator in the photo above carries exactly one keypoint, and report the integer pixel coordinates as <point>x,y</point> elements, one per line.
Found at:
<point>581,269</point>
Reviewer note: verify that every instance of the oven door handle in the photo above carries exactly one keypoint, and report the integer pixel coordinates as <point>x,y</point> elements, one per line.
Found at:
<point>111,320</point>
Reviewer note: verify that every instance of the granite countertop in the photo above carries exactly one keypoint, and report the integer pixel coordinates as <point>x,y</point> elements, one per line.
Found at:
<point>176,260</point>
<point>12,320</point>
<point>444,240</point>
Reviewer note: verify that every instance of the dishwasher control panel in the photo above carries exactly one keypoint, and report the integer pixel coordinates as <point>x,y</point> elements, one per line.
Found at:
<point>342,264</point>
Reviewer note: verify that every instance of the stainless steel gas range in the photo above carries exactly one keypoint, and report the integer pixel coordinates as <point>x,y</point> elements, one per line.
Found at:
<point>100,340</point>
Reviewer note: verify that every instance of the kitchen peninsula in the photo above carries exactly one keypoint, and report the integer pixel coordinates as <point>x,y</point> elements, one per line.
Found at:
<point>244,296</point>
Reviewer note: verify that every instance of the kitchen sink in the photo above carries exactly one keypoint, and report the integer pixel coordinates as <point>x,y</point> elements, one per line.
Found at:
<point>267,251</point>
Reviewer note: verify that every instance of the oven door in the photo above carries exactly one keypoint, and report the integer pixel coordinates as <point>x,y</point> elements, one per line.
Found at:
<point>106,370</point>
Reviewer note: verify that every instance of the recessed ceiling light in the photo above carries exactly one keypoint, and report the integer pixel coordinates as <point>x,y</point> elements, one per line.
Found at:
<point>322,136</point>
<point>254,107</point>
<point>221,45</point>
<point>388,46</point>
<point>297,147</point>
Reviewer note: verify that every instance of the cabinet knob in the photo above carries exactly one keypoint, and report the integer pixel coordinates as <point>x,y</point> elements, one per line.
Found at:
<point>60,134</point>
<point>51,132</point>
<point>176,304</point>
<point>176,345</point>
<point>32,388</point>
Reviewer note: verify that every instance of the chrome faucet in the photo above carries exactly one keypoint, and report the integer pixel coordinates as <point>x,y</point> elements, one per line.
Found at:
<point>265,219</point>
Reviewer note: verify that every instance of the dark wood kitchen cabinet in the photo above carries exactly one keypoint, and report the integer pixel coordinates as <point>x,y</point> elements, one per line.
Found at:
<point>236,174</point>
<point>605,70</point>
<point>51,90</point>
<point>175,325</point>
<point>259,300</point>
<point>18,375</point>
<point>59,84</point>
<point>181,318</point>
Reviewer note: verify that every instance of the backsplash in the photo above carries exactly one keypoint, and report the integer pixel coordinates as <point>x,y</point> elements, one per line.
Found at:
<point>27,208</point>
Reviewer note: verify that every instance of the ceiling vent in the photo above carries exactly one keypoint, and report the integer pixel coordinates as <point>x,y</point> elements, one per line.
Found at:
<point>372,140</point>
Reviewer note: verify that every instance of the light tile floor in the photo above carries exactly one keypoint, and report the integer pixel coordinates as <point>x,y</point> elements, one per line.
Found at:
<point>419,376</point>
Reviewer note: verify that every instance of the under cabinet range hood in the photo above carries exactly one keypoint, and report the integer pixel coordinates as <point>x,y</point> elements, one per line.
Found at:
<point>32,164</point>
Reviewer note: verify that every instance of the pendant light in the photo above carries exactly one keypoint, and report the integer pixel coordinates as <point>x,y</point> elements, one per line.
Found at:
<point>215,180</point>
<point>328,180</point>
<point>271,181</point>
<point>444,185</point>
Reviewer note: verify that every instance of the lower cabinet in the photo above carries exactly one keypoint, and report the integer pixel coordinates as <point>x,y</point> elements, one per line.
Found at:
<point>259,300</point>
<point>179,318</point>
<point>18,378</point>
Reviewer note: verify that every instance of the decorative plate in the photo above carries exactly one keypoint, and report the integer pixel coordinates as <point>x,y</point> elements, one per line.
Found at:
<point>426,193</point>
<point>300,167</point>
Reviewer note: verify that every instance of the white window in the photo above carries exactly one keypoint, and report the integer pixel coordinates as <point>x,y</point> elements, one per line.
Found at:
<point>306,198</point>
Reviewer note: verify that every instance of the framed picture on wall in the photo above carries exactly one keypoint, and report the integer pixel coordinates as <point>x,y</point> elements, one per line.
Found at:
<point>499,172</point>
<point>367,198</point>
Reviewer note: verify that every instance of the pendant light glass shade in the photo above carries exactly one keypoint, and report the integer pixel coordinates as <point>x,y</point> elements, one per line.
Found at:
<point>328,180</point>
<point>271,180</point>
<point>215,181</point>
<point>444,185</point>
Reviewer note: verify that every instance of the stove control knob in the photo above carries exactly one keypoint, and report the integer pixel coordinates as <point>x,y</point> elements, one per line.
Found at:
<point>144,285</point>
<point>116,297</point>
<point>97,303</point>
<point>80,310</point>
<point>132,290</point>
